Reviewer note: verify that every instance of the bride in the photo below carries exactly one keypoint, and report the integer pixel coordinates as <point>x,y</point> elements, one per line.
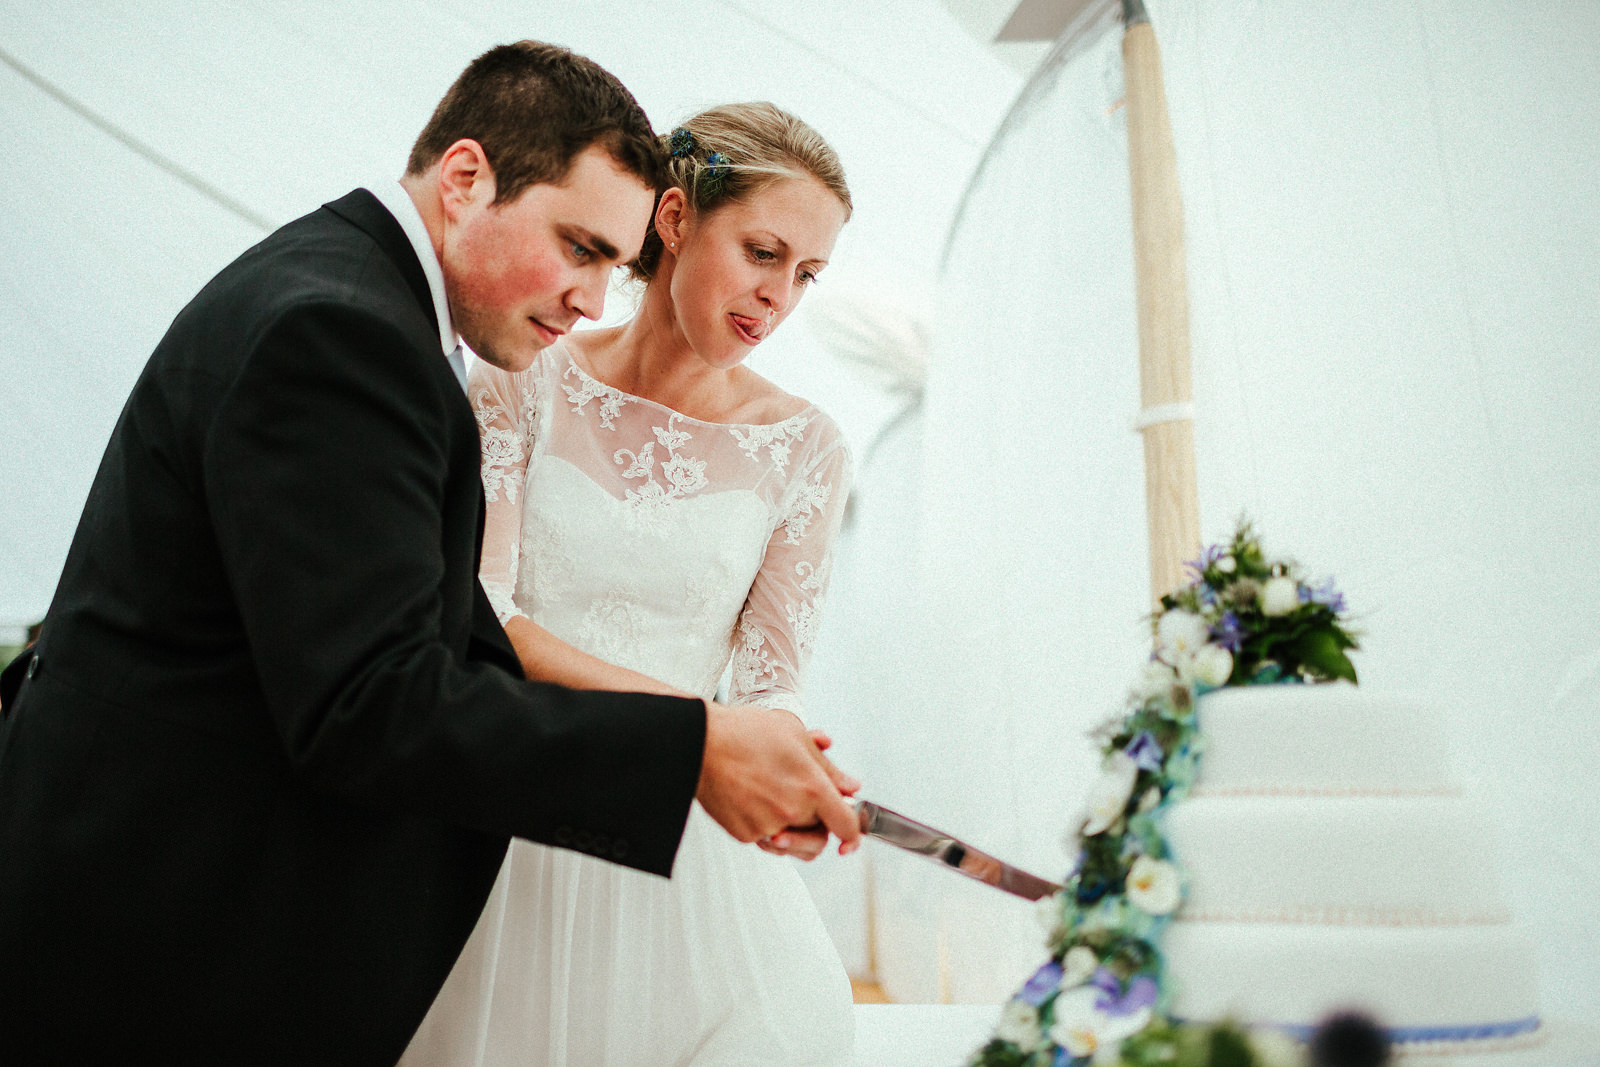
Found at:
<point>655,510</point>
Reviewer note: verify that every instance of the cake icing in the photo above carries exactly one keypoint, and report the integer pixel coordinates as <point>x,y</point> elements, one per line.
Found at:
<point>1328,872</point>
<point>1340,740</point>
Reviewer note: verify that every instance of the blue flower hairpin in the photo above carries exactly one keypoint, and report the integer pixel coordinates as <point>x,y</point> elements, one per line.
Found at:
<point>681,143</point>
<point>716,172</point>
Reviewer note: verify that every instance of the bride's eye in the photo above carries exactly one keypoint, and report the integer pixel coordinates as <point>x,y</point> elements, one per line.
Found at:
<point>762,255</point>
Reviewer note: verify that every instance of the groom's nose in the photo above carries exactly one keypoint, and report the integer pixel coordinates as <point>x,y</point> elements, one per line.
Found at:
<point>588,294</point>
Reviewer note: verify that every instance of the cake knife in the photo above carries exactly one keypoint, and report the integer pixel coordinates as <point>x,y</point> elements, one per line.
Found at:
<point>886,825</point>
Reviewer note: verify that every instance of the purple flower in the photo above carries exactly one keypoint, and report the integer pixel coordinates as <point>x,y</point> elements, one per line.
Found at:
<point>1042,985</point>
<point>1145,752</point>
<point>1108,984</point>
<point>1114,1000</point>
<point>1141,993</point>
<point>1208,555</point>
<point>1324,594</point>
<point>1228,633</point>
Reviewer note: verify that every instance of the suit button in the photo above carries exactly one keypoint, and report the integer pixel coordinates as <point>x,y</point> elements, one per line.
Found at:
<point>563,835</point>
<point>582,841</point>
<point>619,849</point>
<point>599,844</point>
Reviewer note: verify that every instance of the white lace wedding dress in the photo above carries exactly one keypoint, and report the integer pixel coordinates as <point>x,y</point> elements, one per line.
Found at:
<point>666,545</point>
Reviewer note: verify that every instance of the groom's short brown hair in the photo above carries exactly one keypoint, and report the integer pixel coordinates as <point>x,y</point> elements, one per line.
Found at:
<point>533,107</point>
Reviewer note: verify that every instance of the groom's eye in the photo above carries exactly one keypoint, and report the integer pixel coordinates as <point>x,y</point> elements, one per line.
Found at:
<point>580,253</point>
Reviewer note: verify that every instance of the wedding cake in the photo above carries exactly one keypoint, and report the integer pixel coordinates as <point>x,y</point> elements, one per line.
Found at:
<point>1332,862</point>
<point>1267,846</point>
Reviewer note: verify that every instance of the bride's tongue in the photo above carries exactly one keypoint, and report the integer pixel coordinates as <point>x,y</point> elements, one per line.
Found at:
<point>753,330</point>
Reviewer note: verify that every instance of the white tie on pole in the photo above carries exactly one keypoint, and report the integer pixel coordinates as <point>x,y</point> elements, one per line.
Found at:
<point>1179,412</point>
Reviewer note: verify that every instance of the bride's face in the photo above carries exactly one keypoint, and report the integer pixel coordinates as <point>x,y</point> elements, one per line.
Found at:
<point>743,267</point>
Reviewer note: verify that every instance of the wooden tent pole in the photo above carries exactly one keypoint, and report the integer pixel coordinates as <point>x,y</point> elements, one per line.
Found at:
<point>1167,421</point>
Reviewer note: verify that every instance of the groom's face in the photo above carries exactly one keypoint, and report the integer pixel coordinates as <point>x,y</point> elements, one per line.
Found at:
<point>520,274</point>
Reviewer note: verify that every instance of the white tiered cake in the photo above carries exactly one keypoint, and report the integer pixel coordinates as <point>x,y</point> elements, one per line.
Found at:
<point>1333,863</point>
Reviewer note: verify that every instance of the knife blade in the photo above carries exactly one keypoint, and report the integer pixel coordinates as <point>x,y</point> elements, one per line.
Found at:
<point>906,833</point>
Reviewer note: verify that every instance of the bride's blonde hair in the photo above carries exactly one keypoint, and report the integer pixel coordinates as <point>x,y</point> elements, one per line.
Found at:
<point>733,152</point>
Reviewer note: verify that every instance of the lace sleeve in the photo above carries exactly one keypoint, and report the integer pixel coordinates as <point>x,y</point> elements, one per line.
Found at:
<point>502,403</point>
<point>778,626</point>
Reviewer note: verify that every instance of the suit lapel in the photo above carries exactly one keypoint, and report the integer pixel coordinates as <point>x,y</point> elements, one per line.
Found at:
<point>363,210</point>
<point>366,212</point>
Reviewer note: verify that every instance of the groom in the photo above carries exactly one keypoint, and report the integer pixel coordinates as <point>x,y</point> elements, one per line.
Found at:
<point>258,774</point>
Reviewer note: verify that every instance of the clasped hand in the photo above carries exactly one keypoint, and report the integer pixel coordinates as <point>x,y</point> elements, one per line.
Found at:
<point>765,779</point>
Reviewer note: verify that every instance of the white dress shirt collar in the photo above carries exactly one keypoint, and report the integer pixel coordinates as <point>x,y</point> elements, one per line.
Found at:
<point>393,196</point>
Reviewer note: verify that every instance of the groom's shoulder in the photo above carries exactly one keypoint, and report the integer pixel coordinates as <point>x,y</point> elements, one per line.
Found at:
<point>339,255</point>
<point>340,251</point>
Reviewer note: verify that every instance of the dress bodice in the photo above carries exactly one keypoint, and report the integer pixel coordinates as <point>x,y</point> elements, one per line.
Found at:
<point>653,540</point>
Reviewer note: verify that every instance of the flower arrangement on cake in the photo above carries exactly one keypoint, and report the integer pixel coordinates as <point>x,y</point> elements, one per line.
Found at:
<point>1244,619</point>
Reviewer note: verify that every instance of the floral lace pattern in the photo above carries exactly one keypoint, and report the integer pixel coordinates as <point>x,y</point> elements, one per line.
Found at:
<point>655,541</point>
<point>683,475</point>
<point>812,496</point>
<point>543,546</point>
<point>611,400</point>
<point>504,453</point>
<point>752,663</point>
<point>612,625</point>
<point>776,438</point>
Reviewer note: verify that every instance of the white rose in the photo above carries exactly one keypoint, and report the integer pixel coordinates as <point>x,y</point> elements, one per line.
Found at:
<point>1084,1030</point>
<point>1048,911</point>
<point>1019,1024</point>
<point>1180,633</point>
<point>1078,966</point>
<point>1227,564</point>
<point>1155,680</point>
<point>1213,664</point>
<point>1109,798</point>
<point>1153,886</point>
<point>1279,596</point>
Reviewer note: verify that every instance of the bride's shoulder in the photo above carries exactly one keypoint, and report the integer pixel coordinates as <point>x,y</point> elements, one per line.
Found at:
<point>763,403</point>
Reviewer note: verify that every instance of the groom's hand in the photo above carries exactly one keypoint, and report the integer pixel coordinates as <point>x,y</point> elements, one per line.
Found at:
<point>763,774</point>
<point>801,843</point>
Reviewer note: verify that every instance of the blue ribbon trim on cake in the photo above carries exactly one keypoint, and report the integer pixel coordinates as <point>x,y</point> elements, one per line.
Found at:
<point>1403,1035</point>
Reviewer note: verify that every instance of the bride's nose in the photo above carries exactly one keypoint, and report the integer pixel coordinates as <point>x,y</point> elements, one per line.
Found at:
<point>774,297</point>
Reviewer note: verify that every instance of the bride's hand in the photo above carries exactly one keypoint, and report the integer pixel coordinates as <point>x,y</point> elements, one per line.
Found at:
<point>802,844</point>
<point>763,774</point>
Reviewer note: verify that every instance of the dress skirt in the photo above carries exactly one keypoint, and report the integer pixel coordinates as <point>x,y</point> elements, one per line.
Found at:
<point>576,962</point>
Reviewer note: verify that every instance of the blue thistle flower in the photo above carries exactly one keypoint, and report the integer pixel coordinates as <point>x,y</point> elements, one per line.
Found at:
<point>681,143</point>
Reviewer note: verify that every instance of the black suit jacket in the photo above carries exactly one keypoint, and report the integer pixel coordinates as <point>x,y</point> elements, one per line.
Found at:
<point>273,742</point>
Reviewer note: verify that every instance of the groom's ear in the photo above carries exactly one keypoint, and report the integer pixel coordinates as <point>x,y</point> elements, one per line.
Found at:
<point>465,177</point>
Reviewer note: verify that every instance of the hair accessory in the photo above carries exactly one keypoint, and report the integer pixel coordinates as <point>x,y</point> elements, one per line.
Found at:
<point>681,143</point>
<point>715,173</point>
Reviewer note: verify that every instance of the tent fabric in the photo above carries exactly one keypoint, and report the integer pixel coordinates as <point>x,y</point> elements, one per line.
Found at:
<point>278,108</point>
<point>1391,226</point>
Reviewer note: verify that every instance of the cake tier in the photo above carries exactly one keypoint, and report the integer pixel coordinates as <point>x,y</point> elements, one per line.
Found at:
<point>1339,859</point>
<point>1448,983</point>
<point>1320,739</point>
